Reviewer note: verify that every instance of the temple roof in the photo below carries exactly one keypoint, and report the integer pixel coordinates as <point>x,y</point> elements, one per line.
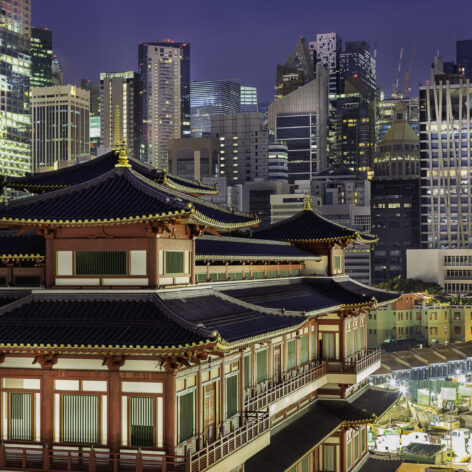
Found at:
<point>27,245</point>
<point>308,294</point>
<point>240,249</point>
<point>68,176</point>
<point>308,226</point>
<point>376,401</point>
<point>120,195</point>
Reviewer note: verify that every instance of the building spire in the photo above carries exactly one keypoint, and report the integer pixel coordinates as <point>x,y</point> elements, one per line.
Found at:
<point>307,202</point>
<point>123,155</point>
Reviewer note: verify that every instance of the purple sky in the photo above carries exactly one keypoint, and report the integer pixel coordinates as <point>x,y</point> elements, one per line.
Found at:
<point>245,39</point>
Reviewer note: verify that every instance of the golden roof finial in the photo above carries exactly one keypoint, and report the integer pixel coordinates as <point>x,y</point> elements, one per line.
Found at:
<point>308,202</point>
<point>117,128</point>
<point>123,156</point>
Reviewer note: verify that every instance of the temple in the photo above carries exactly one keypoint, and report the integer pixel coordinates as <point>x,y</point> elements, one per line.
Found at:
<point>135,334</point>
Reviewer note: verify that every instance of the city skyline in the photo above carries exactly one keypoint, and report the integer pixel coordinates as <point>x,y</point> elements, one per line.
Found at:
<point>217,55</point>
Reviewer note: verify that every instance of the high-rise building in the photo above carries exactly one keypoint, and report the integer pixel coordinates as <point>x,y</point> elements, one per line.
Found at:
<point>244,146</point>
<point>278,162</point>
<point>41,57</point>
<point>57,74</point>
<point>15,75</point>
<point>357,61</point>
<point>327,49</point>
<point>395,198</point>
<point>299,119</point>
<point>212,97</point>
<point>94,117</point>
<point>445,156</point>
<point>296,72</point>
<point>464,58</point>
<point>119,92</point>
<point>249,102</point>
<point>60,126</point>
<point>386,114</point>
<point>165,99</point>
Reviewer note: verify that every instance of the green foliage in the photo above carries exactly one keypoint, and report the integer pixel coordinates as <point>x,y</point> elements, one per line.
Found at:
<point>410,285</point>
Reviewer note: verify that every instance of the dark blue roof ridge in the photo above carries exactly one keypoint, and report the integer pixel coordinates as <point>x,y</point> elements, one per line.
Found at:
<point>374,290</point>
<point>244,240</point>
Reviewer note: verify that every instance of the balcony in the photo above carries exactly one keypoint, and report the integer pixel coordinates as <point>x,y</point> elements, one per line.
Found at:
<point>356,368</point>
<point>282,389</point>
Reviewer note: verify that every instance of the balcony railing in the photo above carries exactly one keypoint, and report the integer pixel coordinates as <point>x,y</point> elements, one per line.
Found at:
<point>228,444</point>
<point>361,361</point>
<point>77,460</point>
<point>279,390</point>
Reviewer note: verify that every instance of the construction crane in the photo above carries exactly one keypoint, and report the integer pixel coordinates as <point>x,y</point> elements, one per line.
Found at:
<point>407,88</point>
<point>396,85</point>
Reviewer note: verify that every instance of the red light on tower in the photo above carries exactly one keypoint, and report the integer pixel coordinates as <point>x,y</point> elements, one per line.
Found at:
<point>355,76</point>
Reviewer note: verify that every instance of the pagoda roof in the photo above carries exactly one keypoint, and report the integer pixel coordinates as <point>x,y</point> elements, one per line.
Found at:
<point>43,182</point>
<point>229,248</point>
<point>27,245</point>
<point>308,226</point>
<point>308,294</point>
<point>119,196</point>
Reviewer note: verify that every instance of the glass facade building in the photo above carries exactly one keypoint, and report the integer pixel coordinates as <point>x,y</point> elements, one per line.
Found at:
<point>212,97</point>
<point>15,76</point>
<point>249,99</point>
<point>41,57</point>
<point>464,58</point>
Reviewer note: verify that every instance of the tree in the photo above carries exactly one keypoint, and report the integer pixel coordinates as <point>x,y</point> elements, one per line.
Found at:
<point>410,285</point>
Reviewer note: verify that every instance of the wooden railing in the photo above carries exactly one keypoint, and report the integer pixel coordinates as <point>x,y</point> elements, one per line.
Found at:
<point>362,361</point>
<point>279,390</point>
<point>228,444</point>
<point>77,460</point>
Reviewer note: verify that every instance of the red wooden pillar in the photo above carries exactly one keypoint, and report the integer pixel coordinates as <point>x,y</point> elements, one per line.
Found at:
<point>152,268</point>
<point>170,420</point>
<point>50,262</point>
<point>114,430</point>
<point>342,337</point>
<point>47,407</point>
<point>241,387</point>
<point>343,451</point>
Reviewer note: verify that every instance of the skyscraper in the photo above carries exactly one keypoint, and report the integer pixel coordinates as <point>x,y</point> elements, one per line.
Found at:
<point>212,97</point>
<point>165,99</point>
<point>249,102</point>
<point>15,75</point>
<point>296,72</point>
<point>60,126</point>
<point>94,116</point>
<point>464,58</point>
<point>41,57</point>
<point>119,92</point>
<point>327,49</point>
<point>357,61</point>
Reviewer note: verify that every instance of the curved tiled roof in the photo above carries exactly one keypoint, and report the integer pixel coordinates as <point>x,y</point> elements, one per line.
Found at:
<point>308,226</point>
<point>119,196</point>
<point>228,248</point>
<point>68,176</point>
<point>21,246</point>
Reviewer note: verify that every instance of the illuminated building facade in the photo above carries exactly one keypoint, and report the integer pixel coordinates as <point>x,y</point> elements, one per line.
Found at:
<point>60,126</point>
<point>41,57</point>
<point>119,91</point>
<point>249,99</point>
<point>165,97</point>
<point>386,114</point>
<point>15,75</point>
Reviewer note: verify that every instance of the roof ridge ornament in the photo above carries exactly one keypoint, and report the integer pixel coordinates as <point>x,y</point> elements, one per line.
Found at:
<point>307,206</point>
<point>117,128</point>
<point>123,156</point>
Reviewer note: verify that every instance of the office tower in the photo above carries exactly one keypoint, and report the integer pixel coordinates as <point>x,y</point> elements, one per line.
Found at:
<point>15,75</point>
<point>386,114</point>
<point>119,92</point>
<point>60,126</point>
<point>41,57</point>
<point>165,99</point>
<point>464,58</point>
<point>94,116</point>
<point>193,158</point>
<point>249,99</point>
<point>357,61</point>
<point>244,146</point>
<point>299,119</point>
<point>278,162</point>
<point>445,156</point>
<point>395,197</point>
<point>296,72</point>
<point>327,49</point>
<point>212,97</point>
<point>57,74</point>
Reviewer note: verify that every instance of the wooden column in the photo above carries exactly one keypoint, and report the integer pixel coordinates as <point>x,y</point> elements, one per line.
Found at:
<point>343,467</point>
<point>199,408</point>
<point>50,260</point>
<point>114,399</point>
<point>241,387</point>
<point>47,408</point>
<point>170,417</point>
<point>222,394</point>
<point>152,268</point>
<point>342,337</point>
<point>192,262</point>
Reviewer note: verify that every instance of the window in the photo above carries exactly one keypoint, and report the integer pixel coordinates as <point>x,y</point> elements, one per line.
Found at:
<point>247,371</point>
<point>100,263</point>
<point>304,464</point>
<point>457,330</point>
<point>328,346</point>
<point>261,366</point>
<point>175,262</point>
<point>356,447</point>
<point>231,396</point>
<point>348,343</point>
<point>363,445</point>
<point>337,262</point>
<point>304,349</point>
<point>291,355</point>
<point>80,419</point>
<point>142,421</point>
<point>313,346</point>
<point>21,416</point>
<point>186,415</point>
<point>329,458</point>
<point>349,455</point>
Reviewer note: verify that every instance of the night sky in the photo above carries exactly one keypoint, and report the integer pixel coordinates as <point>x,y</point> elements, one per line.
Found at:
<point>245,39</point>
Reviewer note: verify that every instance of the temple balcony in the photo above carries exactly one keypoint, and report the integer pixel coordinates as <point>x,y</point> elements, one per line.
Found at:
<point>294,387</point>
<point>355,368</point>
